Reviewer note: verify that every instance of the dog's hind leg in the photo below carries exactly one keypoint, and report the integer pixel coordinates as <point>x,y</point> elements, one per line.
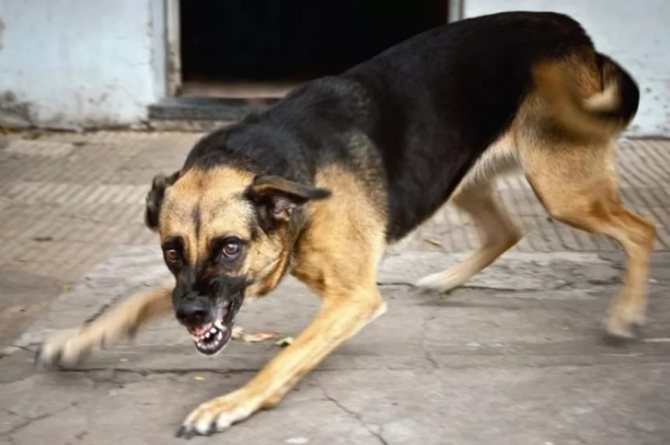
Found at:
<point>577,183</point>
<point>478,198</point>
<point>497,233</point>
<point>67,348</point>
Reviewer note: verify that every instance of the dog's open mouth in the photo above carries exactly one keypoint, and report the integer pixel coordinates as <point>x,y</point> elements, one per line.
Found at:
<point>211,338</point>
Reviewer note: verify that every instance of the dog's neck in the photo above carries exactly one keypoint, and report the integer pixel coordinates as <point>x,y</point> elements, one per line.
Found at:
<point>286,261</point>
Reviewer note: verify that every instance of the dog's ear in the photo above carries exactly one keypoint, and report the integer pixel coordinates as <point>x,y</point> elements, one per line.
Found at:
<point>154,198</point>
<point>276,198</point>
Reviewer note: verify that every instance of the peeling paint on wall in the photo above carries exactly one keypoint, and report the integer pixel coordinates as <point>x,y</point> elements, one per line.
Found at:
<point>78,67</point>
<point>14,112</point>
<point>2,31</point>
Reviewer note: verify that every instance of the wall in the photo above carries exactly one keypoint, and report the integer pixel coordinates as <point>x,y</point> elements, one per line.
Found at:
<point>80,63</point>
<point>84,63</point>
<point>634,33</point>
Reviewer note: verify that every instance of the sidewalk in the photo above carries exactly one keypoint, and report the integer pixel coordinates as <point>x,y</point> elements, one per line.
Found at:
<point>515,357</point>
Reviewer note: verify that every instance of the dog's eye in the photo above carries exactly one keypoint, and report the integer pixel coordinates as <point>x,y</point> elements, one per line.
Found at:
<point>172,256</point>
<point>231,250</point>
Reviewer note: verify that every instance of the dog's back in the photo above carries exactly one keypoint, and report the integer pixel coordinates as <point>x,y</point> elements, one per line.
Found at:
<point>430,106</point>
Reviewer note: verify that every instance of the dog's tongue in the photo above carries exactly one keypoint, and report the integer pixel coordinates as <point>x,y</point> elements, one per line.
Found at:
<point>199,330</point>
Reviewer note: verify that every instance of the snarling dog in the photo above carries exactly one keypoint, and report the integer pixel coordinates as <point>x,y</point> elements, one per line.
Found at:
<point>320,183</point>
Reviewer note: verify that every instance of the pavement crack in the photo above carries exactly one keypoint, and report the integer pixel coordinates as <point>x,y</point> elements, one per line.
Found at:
<point>28,348</point>
<point>101,310</point>
<point>493,288</point>
<point>30,420</point>
<point>32,348</point>
<point>351,413</point>
<point>395,283</point>
<point>22,425</point>
<point>14,413</point>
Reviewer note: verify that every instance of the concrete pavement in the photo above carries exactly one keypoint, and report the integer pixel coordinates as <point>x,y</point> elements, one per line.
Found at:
<point>515,357</point>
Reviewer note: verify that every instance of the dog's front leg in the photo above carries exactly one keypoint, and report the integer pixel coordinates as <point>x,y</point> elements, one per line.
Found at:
<point>340,317</point>
<point>66,348</point>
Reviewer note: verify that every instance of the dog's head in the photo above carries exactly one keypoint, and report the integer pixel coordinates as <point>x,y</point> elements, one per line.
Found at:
<point>225,234</point>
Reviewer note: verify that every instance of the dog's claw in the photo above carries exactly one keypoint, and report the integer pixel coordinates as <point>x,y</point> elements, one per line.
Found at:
<point>212,430</point>
<point>36,357</point>
<point>183,433</point>
<point>218,415</point>
<point>53,361</point>
<point>186,432</point>
<point>132,333</point>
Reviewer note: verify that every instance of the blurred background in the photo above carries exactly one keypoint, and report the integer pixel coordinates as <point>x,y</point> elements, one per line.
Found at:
<point>136,63</point>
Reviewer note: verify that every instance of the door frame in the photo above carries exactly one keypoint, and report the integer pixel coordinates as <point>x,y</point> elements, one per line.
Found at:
<point>173,47</point>
<point>454,10</point>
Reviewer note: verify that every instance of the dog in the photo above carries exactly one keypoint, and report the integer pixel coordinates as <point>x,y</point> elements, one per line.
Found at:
<point>320,183</point>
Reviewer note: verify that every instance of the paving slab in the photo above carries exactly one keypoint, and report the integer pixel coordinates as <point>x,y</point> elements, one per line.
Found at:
<point>516,356</point>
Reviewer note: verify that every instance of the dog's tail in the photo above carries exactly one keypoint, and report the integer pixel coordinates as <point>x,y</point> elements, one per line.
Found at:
<point>600,116</point>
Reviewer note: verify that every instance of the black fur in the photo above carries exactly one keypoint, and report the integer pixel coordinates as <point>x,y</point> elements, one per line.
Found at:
<point>425,109</point>
<point>154,199</point>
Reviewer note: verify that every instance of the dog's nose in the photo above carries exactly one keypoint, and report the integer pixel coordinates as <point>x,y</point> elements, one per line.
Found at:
<point>193,312</point>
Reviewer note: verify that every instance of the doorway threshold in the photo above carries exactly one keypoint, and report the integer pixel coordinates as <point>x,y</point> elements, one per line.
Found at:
<point>206,108</point>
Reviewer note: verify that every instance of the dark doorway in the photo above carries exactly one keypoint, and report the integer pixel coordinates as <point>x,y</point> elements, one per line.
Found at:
<point>261,48</point>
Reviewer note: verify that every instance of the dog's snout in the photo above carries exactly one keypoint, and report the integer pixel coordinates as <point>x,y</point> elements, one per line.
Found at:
<point>193,312</point>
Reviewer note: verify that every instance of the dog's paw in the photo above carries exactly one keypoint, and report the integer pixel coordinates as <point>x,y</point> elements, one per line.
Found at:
<point>441,281</point>
<point>63,349</point>
<point>218,414</point>
<point>622,322</point>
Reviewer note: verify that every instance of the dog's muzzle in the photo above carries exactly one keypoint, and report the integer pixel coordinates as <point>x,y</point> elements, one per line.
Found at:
<point>210,328</point>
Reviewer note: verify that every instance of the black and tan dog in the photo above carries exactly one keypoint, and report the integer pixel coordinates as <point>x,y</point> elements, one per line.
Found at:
<point>319,184</point>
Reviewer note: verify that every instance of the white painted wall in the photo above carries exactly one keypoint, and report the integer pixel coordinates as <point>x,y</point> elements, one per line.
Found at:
<point>634,33</point>
<point>80,63</point>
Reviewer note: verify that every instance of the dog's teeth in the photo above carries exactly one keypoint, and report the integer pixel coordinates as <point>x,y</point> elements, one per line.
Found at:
<point>213,330</point>
<point>219,336</point>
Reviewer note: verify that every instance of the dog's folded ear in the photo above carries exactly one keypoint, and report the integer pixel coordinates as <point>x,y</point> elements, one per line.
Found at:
<point>276,198</point>
<point>154,198</point>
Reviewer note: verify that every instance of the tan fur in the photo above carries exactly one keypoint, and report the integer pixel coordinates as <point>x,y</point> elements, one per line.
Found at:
<point>354,229</point>
<point>499,159</point>
<point>216,195</point>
